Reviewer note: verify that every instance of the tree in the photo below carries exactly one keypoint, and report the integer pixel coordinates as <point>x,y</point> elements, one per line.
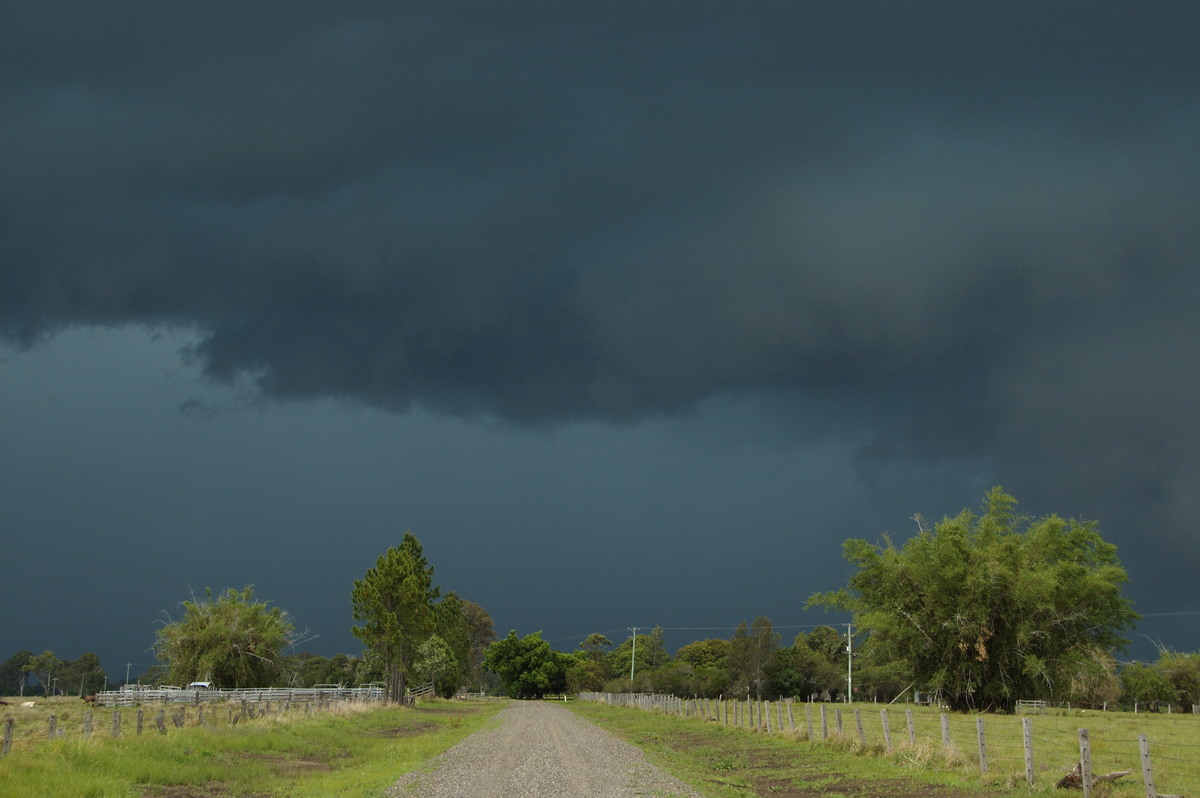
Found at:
<point>751,652</point>
<point>528,666</point>
<point>535,670</point>
<point>44,666</point>
<point>483,632</point>
<point>1183,672</point>
<point>451,625</point>
<point>644,652</point>
<point>1142,683</point>
<point>596,646</point>
<point>993,607</point>
<point>13,673</point>
<point>231,640</point>
<point>436,663</point>
<point>85,675</point>
<point>711,653</point>
<point>394,600</point>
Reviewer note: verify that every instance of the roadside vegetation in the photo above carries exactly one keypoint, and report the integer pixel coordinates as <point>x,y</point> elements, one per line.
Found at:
<point>722,760</point>
<point>349,749</point>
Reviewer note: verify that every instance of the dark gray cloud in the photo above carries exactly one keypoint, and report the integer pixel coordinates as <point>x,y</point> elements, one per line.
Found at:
<point>961,235</point>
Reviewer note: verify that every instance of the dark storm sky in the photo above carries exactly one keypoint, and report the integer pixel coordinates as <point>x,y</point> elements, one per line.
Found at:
<point>630,312</point>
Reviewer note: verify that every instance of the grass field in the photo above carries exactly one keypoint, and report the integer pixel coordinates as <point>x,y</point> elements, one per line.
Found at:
<point>360,750</point>
<point>354,750</point>
<point>727,761</point>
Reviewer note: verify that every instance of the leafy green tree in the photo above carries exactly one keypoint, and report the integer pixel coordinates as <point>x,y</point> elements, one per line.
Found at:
<point>231,640</point>
<point>1183,672</point>
<point>596,647</point>
<point>451,625</point>
<point>13,673</point>
<point>436,663</point>
<point>591,666</point>
<point>483,632</point>
<point>993,607</point>
<point>44,666</point>
<point>394,600</point>
<point>712,653</point>
<point>751,651</point>
<point>527,666</point>
<point>84,674</point>
<point>644,651</point>
<point>1142,683</point>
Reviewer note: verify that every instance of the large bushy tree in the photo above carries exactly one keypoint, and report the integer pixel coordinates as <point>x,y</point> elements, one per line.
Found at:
<point>527,665</point>
<point>992,607</point>
<point>232,640</point>
<point>395,603</point>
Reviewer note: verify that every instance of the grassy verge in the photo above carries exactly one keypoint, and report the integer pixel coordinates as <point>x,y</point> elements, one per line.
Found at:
<point>726,762</point>
<point>353,750</point>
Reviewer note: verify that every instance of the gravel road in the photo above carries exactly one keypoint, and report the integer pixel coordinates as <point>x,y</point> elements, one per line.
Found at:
<point>540,749</point>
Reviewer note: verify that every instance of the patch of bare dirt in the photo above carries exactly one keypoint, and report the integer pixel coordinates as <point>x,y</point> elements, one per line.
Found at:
<point>787,788</point>
<point>290,764</point>
<point>214,790</point>
<point>403,731</point>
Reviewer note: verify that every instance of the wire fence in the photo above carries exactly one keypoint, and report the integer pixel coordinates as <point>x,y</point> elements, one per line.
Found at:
<point>1163,751</point>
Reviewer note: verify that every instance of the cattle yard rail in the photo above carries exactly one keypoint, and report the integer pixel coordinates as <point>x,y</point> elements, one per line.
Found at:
<point>129,698</point>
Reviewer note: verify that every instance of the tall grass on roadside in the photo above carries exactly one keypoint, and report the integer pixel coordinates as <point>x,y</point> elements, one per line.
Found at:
<point>349,749</point>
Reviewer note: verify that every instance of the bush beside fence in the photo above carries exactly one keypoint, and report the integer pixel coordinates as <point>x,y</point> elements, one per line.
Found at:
<point>1035,749</point>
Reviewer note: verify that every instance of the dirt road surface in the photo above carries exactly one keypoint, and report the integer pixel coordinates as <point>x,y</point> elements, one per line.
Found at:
<point>540,750</point>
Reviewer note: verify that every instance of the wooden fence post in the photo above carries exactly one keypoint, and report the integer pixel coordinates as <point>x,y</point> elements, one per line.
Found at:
<point>1147,771</point>
<point>140,719</point>
<point>945,732</point>
<point>8,735</point>
<point>87,724</point>
<point>983,767</point>
<point>1085,762</point>
<point>887,731</point>
<point>912,732</point>
<point>808,723</point>
<point>1027,737</point>
<point>116,723</point>
<point>824,723</point>
<point>837,714</point>
<point>779,713</point>
<point>791,717</point>
<point>160,721</point>
<point>862,734</point>
<point>52,727</point>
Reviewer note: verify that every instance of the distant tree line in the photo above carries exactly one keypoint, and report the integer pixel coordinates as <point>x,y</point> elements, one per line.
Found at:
<point>980,610</point>
<point>233,639</point>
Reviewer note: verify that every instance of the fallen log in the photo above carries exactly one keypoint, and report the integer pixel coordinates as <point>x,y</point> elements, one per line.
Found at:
<point>1074,779</point>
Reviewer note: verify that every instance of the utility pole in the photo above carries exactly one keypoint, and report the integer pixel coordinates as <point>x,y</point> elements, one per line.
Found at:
<point>127,666</point>
<point>633,651</point>
<point>849,663</point>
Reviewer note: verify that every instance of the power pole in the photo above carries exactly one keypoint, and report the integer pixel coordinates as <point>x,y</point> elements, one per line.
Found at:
<point>633,651</point>
<point>849,663</point>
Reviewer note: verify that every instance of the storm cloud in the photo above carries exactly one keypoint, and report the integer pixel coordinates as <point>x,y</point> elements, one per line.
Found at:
<point>960,236</point>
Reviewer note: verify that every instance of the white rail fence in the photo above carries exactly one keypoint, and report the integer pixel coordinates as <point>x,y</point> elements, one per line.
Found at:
<point>129,698</point>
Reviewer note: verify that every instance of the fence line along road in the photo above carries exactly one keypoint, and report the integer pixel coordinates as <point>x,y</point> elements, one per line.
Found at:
<point>1042,748</point>
<point>129,698</point>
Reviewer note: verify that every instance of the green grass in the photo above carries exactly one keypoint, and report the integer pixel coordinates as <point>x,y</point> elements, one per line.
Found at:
<point>352,751</point>
<point>727,761</point>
